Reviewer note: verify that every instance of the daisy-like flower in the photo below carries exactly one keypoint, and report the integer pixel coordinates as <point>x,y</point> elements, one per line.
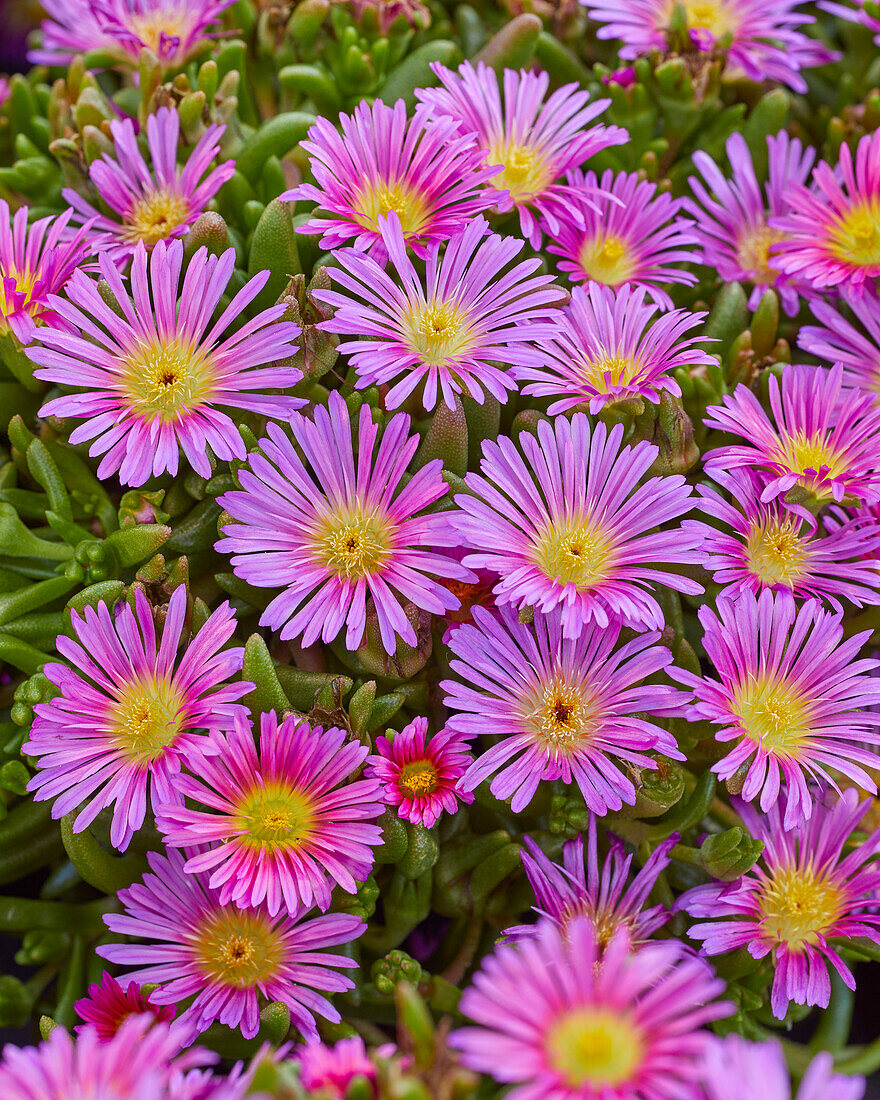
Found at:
<point>601,892</point>
<point>108,1006</point>
<point>452,330</point>
<point>821,440</point>
<point>832,230</point>
<point>609,347</point>
<point>129,710</point>
<point>766,545</point>
<point>558,707</point>
<point>732,215</point>
<point>154,381</point>
<point>734,1067</point>
<point>766,40</point>
<point>791,695</point>
<point>329,1070</point>
<point>558,1017</point>
<point>431,176</point>
<point>530,142</point>
<point>329,531</point>
<point>175,30</point>
<point>566,524</point>
<point>224,957</point>
<point>283,825</point>
<point>625,234</point>
<point>36,262</point>
<point>420,775</point>
<point>150,204</point>
<point>838,340</point>
<point>803,892</point>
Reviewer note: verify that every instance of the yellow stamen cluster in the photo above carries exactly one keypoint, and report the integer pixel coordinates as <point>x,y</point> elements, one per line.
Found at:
<point>276,816</point>
<point>607,259</point>
<point>378,200</point>
<point>610,372</point>
<point>439,332</point>
<point>418,779</point>
<point>525,170</point>
<point>166,381</point>
<point>776,552</point>
<point>155,216</point>
<point>146,719</point>
<point>562,716</point>
<point>354,544</point>
<point>597,1048</point>
<point>773,714</point>
<point>855,236</point>
<point>239,948</point>
<point>716,16</point>
<point>576,551</point>
<point>24,284</point>
<point>753,253</point>
<point>798,906</point>
<point>798,452</point>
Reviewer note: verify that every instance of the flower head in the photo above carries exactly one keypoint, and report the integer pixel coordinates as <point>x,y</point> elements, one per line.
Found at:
<point>791,695</point>
<point>819,441</point>
<point>331,1069</point>
<point>530,142</point>
<point>609,347</point>
<point>734,1067</point>
<point>558,707</point>
<point>452,329</point>
<point>153,382</point>
<point>732,215</point>
<point>803,892</point>
<point>625,234</point>
<point>556,1016</point>
<point>419,775</point>
<point>330,531</point>
<point>224,957</point>
<point>108,1006</point>
<point>431,176</point>
<point>565,523</point>
<point>282,825</point>
<point>838,340</point>
<point>128,710</point>
<point>150,204</point>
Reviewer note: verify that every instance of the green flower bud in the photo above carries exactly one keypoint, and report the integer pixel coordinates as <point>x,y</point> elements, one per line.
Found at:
<point>395,967</point>
<point>730,854</point>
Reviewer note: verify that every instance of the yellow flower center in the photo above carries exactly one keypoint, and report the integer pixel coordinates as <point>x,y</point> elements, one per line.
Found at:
<point>276,816</point>
<point>24,284</point>
<point>799,453</point>
<point>562,715</point>
<point>378,200</point>
<point>154,217</point>
<point>855,238</point>
<point>238,948</point>
<point>775,552</point>
<point>439,332</point>
<point>146,719</point>
<point>354,544</point>
<point>578,552</point>
<point>716,16</point>
<point>612,372</point>
<point>798,906</point>
<point>418,779</point>
<point>525,171</point>
<point>150,26</point>
<point>753,253</point>
<point>166,381</point>
<point>595,1047</point>
<point>607,259</point>
<point>773,714</point>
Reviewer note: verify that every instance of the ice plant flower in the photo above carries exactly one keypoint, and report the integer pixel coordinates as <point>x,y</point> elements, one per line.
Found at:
<point>601,892</point>
<point>226,958</point>
<point>837,340</point>
<point>282,825</point>
<point>452,330</point>
<point>329,1070</point>
<point>609,347</point>
<point>129,710</point>
<point>625,234</point>
<point>329,531</point>
<point>36,262</point>
<point>420,775</point>
<point>766,545</point>
<point>175,30</point>
<point>558,707</point>
<point>431,176</point>
<point>734,1068</point>
<point>153,382</point>
<point>557,1016</point>
<point>790,694</point>
<point>832,230</point>
<point>565,524</point>
<point>803,892</point>
<point>530,141</point>
<point>150,203</point>
<point>108,1005</point>
<point>821,439</point>
<point>733,215</point>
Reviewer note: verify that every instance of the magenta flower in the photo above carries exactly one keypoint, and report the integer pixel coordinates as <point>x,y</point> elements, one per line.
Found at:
<point>839,340</point>
<point>732,215</point>
<point>558,707</point>
<point>803,892</point>
<point>566,524</point>
<point>609,347</point>
<point>281,826</point>
<point>626,234</point>
<point>766,545</point>
<point>528,140</point>
<point>854,12</point>
<point>431,176</point>
<point>224,957</point>
<point>791,694</point>
<point>154,382</point>
<point>453,329</point>
<point>734,1068</point>
<point>820,440</point>
<point>128,710</point>
<point>334,534</point>
<point>329,1070</point>
<point>832,231</point>
<point>420,776</point>
<point>150,204</point>
<point>602,892</point>
<point>558,1017</point>
<point>36,262</point>
<point>108,1006</point>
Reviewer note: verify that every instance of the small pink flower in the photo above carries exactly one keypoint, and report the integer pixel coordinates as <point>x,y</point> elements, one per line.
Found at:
<point>109,1005</point>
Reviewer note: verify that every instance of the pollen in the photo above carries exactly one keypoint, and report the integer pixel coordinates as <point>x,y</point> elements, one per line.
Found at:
<point>607,259</point>
<point>813,457</point>
<point>165,381</point>
<point>753,253</point>
<point>525,170</point>
<point>353,544</point>
<point>578,552</point>
<point>799,906</point>
<point>773,714</point>
<point>715,16</point>
<point>238,948</point>
<point>775,552</point>
<point>158,26</point>
<point>276,816</point>
<point>596,1048</point>
<point>379,199</point>
<point>146,719</point>
<point>562,716</point>
<point>439,332</point>
<point>611,372</point>
<point>855,237</point>
<point>154,217</point>
<point>418,779</point>
<point>16,296</point>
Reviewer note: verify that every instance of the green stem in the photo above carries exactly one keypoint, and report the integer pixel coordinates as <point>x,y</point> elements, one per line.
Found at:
<point>833,1030</point>
<point>95,865</point>
<point>23,914</point>
<point>30,855</point>
<point>470,941</point>
<point>71,983</point>
<point>863,1061</point>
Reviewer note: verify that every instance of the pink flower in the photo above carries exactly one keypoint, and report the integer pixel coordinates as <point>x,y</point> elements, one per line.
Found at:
<point>108,1006</point>
<point>329,1070</point>
<point>734,1068</point>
